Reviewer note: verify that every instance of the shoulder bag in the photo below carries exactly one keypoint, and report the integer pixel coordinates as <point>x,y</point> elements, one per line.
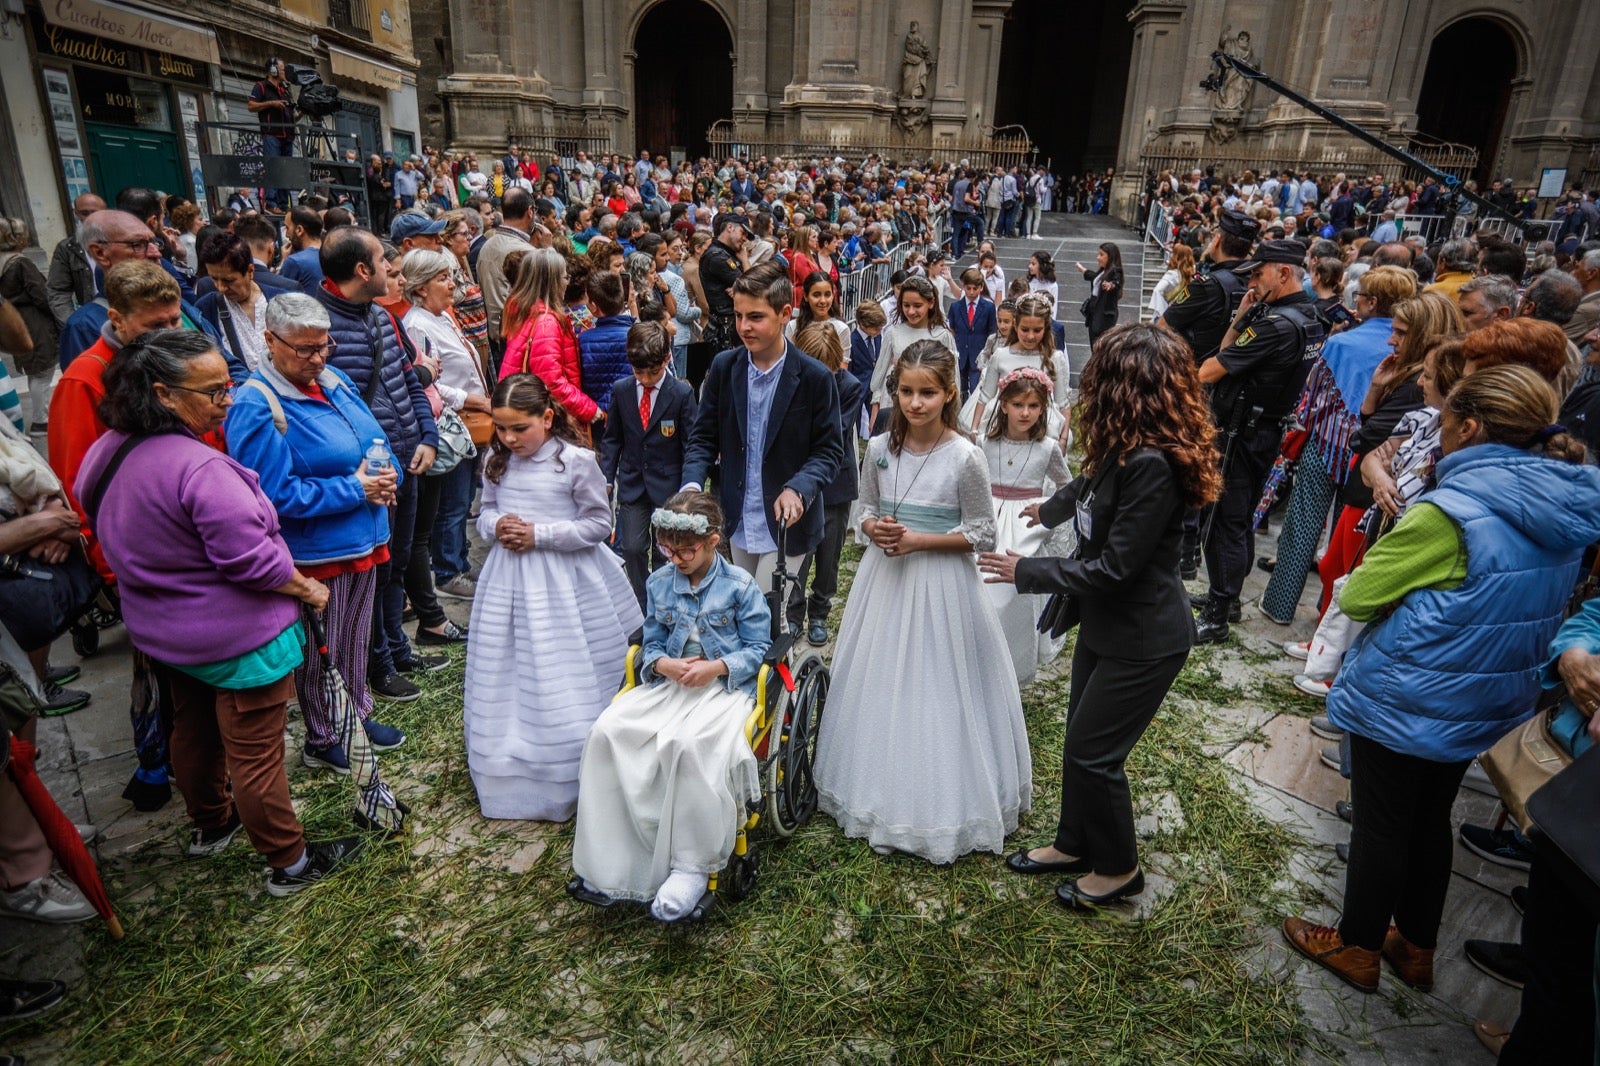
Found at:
<point>1525,759</point>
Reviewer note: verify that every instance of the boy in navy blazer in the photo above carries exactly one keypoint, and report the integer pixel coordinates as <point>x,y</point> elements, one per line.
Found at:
<point>641,453</point>
<point>769,422</point>
<point>971,321</point>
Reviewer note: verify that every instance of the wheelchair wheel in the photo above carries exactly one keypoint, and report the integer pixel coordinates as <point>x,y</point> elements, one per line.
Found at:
<point>791,784</point>
<point>739,879</point>
<point>85,637</point>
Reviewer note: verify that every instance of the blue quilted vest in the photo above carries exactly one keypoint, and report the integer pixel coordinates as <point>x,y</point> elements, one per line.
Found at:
<point>1450,672</point>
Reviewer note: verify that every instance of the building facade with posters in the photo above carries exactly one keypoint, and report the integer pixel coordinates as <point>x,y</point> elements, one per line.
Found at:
<point>100,95</point>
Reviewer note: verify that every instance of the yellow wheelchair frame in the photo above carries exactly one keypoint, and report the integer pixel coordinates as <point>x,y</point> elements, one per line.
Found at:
<point>781,729</point>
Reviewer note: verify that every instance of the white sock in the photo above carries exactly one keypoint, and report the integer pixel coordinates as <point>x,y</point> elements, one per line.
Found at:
<point>294,869</point>
<point>678,895</point>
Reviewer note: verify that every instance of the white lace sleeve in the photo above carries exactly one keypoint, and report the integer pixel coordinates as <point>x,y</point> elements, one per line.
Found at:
<point>868,504</point>
<point>977,506</point>
<point>1057,468</point>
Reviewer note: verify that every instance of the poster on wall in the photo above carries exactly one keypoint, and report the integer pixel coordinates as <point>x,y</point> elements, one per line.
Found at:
<point>64,119</point>
<point>1552,182</point>
<point>189,111</point>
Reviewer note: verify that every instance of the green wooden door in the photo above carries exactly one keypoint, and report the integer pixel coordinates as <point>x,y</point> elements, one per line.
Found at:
<point>120,157</point>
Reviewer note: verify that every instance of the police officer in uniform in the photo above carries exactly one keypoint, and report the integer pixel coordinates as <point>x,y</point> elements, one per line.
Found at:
<point>1199,312</point>
<point>1256,379</point>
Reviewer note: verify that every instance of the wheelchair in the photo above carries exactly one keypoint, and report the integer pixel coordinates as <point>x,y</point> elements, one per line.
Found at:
<point>781,729</point>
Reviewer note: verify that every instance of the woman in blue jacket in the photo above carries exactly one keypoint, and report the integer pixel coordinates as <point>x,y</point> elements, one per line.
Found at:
<point>1462,597</point>
<point>301,426</point>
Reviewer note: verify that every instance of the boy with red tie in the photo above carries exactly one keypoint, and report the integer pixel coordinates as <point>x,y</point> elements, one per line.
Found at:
<point>641,453</point>
<point>972,320</point>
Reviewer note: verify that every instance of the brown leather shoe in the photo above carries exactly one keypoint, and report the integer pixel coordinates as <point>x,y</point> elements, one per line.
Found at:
<point>1493,1035</point>
<point>1356,967</point>
<point>1411,964</point>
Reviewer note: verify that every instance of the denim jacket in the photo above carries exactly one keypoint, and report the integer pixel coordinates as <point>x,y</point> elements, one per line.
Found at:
<point>735,623</point>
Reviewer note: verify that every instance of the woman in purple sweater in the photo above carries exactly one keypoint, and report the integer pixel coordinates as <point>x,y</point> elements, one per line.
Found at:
<point>209,592</point>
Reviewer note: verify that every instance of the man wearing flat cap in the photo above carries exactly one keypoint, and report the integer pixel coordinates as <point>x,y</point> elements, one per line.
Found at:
<point>1255,380</point>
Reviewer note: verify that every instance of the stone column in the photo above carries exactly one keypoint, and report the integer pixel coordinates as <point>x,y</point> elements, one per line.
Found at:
<point>948,109</point>
<point>603,99</point>
<point>750,101</point>
<point>1157,62</point>
<point>983,71</point>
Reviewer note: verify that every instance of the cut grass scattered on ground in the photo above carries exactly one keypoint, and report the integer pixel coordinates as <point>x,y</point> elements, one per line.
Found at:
<point>459,945</point>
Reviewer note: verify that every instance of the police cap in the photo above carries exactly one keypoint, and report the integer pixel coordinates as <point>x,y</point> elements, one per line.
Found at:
<point>1238,224</point>
<point>1290,252</point>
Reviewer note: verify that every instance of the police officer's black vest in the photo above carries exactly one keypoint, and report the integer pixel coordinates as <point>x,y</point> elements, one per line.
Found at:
<point>1246,402</point>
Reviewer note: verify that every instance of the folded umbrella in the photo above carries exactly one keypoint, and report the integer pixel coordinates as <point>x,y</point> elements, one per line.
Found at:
<point>376,807</point>
<point>59,832</point>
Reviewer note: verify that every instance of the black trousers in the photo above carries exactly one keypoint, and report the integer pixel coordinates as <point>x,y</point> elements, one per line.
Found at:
<point>1556,1026</point>
<point>825,584</point>
<point>636,544</point>
<point>1110,705</point>
<point>1230,548</point>
<point>419,565</point>
<point>1400,844</point>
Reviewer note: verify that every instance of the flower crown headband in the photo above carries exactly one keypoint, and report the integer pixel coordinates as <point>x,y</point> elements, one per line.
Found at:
<point>1029,373</point>
<point>679,522</point>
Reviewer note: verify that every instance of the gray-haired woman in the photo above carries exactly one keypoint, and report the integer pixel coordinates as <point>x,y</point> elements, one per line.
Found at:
<point>434,330</point>
<point>303,428</point>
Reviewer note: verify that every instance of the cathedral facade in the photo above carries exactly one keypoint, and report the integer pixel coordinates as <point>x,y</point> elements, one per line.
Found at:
<point>1095,84</point>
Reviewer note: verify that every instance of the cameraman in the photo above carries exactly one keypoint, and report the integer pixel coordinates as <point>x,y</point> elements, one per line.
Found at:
<point>269,102</point>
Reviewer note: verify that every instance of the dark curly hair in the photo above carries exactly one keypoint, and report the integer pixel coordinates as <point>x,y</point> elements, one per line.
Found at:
<point>528,394</point>
<point>1140,389</point>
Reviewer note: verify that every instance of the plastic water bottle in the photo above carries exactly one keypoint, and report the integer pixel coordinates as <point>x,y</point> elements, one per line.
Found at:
<point>378,461</point>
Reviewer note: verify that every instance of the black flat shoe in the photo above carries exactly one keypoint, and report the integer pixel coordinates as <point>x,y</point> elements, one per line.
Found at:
<point>1268,565</point>
<point>584,894</point>
<point>1018,862</point>
<point>1070,897</point>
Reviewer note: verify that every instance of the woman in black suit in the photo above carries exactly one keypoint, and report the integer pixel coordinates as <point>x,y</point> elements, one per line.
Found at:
<point>1105,289</point>
<point>1149,455</point>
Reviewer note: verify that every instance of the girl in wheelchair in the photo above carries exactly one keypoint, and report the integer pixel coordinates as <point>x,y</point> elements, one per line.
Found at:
<point>667,772</point>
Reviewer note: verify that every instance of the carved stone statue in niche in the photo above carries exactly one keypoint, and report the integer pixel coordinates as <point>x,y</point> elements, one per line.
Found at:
<point>1231,99</point>
<point>916,65</point>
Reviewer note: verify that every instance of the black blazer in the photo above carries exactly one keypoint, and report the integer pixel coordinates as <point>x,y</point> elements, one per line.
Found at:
<point>1100,307</point>
<point>846,484</point>
<point>802,450</point>
<point>646,462</point>
<point>1125,575</point>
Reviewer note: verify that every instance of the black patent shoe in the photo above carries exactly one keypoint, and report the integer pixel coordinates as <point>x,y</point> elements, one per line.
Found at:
<point>584,894</point>
<point>1073,899</point>
<point>1018,862</point>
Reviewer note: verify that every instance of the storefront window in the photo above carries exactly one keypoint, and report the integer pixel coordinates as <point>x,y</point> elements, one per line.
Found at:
<point>117,99</point>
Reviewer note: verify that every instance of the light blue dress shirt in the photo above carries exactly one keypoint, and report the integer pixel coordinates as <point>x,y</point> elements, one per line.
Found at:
<point>753,535</point>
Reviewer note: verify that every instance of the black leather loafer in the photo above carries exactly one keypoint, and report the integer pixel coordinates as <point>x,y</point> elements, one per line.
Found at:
<point>1069,895</point>
<point>1018,862</point>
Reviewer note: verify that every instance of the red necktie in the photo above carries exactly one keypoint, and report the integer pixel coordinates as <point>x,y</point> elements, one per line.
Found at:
<point>644,408</point>
<point>972,313</point>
